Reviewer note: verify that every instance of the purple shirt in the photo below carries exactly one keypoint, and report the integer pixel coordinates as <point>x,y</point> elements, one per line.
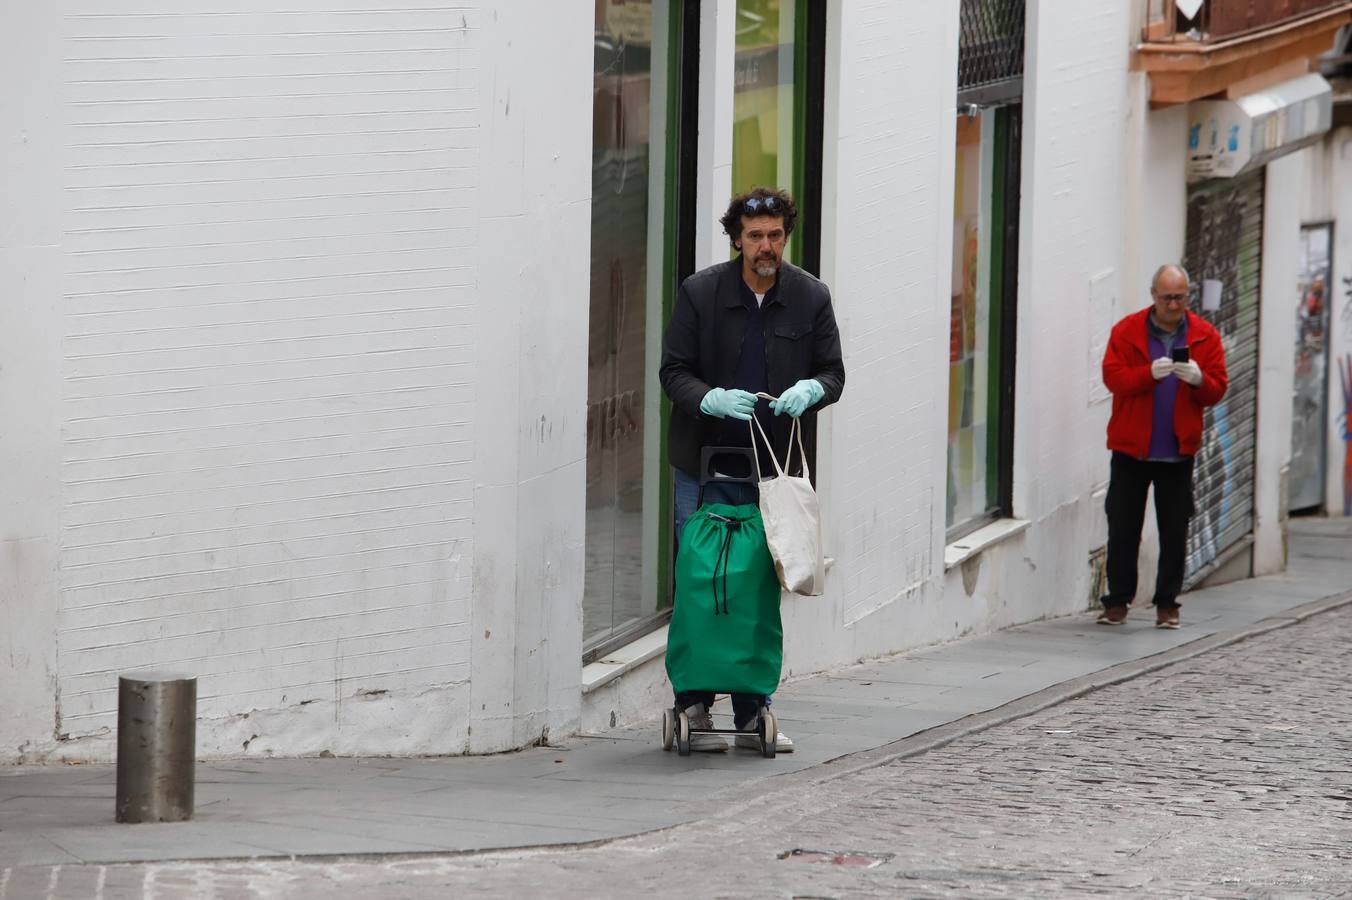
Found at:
<point>1163,436</point>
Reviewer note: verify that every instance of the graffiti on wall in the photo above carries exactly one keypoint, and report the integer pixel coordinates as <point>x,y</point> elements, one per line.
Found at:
<point>1222,220</point>
<point>1216,463</point>
<point>1345,318</point>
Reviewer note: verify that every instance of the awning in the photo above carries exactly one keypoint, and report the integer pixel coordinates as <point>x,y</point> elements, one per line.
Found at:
<point>1230,137</point>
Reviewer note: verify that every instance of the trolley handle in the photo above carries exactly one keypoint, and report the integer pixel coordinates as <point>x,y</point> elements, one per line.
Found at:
<point>709,475</point>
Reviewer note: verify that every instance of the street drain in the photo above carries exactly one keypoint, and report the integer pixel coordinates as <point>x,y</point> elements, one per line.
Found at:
<point>837,857</point>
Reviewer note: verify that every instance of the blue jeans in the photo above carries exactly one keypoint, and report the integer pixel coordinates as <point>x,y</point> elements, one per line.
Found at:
<point>686,501</point>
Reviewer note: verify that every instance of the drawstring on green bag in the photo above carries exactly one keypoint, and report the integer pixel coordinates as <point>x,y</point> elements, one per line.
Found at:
<point>740,647</point>
<point>730,525</point>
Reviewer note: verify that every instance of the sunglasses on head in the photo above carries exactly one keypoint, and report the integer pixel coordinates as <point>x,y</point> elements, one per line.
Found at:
<point>753,205</point>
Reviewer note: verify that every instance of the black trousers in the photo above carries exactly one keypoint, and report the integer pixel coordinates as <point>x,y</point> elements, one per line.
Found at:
<point>744,706</point>
<point>1127,486</point>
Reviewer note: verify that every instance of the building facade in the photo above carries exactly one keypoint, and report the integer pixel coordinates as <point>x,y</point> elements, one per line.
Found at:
<point>330,336</point>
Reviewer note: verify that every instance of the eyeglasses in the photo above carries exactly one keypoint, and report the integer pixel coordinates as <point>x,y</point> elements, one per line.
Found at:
<point>1173,298</point>
<point>753,205</point>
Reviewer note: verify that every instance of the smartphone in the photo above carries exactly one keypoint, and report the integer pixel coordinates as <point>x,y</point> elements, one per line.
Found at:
<point>1179,354</point>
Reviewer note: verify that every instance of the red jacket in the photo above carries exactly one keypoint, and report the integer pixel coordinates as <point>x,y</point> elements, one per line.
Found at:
<point>1126,372</point>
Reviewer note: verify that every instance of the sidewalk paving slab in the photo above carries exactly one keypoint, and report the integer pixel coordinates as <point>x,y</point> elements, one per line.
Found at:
<point>597,787</point>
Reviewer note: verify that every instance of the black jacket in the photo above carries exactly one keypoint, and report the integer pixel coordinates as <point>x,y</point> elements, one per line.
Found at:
<point>703,344</point>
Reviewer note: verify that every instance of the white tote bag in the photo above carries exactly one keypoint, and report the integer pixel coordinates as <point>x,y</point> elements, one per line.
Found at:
<point>793,526</point>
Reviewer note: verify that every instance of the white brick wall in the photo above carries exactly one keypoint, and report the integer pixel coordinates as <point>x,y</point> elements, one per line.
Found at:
<point>294,373</point>
<point>1071,232</point>
<point>890,165</point>
<point>1285,179</point>
<point>270,265</point>
<point>30,376</point>
<point>531,366</point>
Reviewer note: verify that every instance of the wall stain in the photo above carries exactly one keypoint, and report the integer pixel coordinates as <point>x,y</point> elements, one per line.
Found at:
<point>971,572</point>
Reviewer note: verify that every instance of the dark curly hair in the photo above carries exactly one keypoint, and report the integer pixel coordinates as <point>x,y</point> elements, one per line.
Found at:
<point>762,201</point>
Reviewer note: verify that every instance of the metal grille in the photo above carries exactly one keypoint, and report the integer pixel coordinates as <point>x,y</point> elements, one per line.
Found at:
<point>990,48</point>
<point>1225,242</point>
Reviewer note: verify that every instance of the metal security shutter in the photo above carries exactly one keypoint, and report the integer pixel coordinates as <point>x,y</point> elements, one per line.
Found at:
<point>990,51</point>
<point>1225,242</point>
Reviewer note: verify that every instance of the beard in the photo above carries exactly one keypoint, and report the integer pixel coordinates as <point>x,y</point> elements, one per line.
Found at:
<point>766,268</point>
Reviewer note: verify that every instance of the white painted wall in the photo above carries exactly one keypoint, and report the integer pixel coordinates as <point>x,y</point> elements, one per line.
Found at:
<point>1317,200</point>
<point>533,261</point>
<point>1283,198</point>
<point>295,371</point>
<point>1157,194</point>
<point>1072,223</point>
<point>30,377</point>
<point>889,183</point>
<point>717,76</point>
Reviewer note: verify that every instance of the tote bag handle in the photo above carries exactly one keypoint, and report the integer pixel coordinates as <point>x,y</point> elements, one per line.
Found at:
<point>795,435</point>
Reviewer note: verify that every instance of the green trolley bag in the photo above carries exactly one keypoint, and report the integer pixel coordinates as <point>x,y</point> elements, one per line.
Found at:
<point>725,634</point>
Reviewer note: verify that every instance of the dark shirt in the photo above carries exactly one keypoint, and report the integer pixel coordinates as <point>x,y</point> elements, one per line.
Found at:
<point>1163,436</point>
<point>751,374</point>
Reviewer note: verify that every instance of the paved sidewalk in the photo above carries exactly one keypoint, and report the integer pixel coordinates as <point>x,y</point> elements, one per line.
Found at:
<point>1222,775</point>
<point>620,783</point>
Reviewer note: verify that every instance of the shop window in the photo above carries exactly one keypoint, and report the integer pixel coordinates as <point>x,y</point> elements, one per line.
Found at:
<point>981,336</point>
<point>777,108</point>
<point>635,133</point>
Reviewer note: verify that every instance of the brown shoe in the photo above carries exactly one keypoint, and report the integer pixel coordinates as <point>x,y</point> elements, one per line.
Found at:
<point>1166,618</point>
<point>1113,615</point>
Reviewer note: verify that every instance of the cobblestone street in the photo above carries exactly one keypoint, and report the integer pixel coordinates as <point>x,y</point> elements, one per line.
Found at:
<point>1226,775</point>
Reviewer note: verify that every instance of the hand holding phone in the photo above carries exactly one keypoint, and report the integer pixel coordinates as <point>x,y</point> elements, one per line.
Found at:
<point>1179,354</point>
<point>1188,373</point>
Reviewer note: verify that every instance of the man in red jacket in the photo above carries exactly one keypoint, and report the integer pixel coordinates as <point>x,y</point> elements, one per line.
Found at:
<point>1163,365</point>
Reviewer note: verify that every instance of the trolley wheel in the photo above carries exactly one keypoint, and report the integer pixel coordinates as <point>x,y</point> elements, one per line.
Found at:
<point>683,734</point>
<point>769,734</point>
<point>668,728</point>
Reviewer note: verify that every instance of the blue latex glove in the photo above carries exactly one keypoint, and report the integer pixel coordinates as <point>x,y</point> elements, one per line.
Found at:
<point>732,403</point>
<point>798,398</point>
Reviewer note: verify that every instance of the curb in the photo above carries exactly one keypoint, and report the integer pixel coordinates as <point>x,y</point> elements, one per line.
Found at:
<point>942,735</point>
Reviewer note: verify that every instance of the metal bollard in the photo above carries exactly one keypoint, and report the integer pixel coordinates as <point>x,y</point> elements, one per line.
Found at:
<point>156,746</point>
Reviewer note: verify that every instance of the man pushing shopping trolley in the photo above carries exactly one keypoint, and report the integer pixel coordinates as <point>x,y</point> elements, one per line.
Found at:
<point>752,328</point>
